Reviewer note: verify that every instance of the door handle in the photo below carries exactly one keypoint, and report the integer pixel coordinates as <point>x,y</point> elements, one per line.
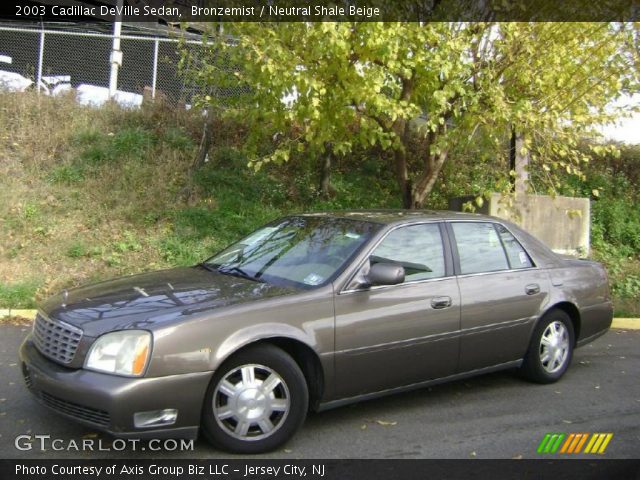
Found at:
<point>440,302</point>
<point>532,289</point>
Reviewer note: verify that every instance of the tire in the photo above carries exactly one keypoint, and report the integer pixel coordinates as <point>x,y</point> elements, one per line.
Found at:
<point>256,401</point>
<point>550,349</point>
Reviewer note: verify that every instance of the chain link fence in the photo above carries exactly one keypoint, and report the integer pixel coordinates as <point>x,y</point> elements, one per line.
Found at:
<point>56,61</point>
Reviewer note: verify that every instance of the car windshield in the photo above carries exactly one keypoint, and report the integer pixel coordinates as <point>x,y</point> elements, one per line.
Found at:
<point>298,251</point>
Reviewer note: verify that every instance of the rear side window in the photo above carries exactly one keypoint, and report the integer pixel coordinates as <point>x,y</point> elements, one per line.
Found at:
<point>479,247</point>
<point>518,258</point>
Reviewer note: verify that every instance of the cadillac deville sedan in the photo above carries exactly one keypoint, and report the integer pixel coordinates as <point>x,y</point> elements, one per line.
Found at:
<point>311,311</point>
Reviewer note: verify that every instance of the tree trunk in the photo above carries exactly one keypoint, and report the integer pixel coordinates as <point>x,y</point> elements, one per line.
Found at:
<point>428,178</point>
<point>401,129</point>
<point>187,193</point>
<point>431,168</point>
<point>325,175</point>
<point>402,176</point>
<point>521,165</point>
<point>205,143</point>
<point>512,158</point>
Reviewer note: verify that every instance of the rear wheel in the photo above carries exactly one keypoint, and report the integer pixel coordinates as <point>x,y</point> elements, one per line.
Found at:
<point>256,401</point>
<point>551,348</point>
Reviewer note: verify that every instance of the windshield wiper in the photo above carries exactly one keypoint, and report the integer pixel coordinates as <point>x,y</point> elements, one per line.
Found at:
<point>237,271</point>
<point>207,266</point>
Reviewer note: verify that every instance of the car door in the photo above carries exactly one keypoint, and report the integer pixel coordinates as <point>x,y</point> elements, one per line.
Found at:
<point>395,335</point>
<point>501,290</point>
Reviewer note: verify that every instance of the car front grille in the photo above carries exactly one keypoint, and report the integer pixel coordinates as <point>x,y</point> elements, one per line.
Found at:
<point>80,412</point>
<point>56,340</point>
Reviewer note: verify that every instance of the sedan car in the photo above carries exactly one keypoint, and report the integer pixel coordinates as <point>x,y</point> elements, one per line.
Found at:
<point>311,311</point>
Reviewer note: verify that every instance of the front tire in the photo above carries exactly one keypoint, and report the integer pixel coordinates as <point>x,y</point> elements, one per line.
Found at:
<point>550,349</point>
<point>255,402</point>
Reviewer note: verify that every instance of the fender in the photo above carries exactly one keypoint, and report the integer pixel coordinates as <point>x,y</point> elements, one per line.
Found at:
<point>253,334</point>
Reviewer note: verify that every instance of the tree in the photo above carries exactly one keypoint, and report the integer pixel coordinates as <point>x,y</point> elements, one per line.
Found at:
<point>348,85</point>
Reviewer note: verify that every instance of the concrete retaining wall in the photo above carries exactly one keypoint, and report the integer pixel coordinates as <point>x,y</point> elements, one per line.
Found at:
<point>563,223</point>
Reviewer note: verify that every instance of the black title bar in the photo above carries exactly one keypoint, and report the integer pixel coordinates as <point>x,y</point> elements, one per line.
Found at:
<point>232,469</point>
<point>172,11</point>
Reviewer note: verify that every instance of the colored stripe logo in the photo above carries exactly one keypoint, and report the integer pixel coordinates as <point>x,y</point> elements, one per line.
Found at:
<point>574,443</point>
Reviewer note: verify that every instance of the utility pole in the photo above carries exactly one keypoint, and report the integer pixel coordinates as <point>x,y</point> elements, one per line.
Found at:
<point>116,53</point>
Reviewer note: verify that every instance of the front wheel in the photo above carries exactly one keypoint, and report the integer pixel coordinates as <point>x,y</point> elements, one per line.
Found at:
<point>551,348</point>
<point>256,401</point>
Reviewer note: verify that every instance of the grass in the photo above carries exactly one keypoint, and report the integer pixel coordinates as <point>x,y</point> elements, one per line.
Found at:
<point>84,194</point>
<point>627,307</point>
<point>19,295</point>
<point>87,194</point>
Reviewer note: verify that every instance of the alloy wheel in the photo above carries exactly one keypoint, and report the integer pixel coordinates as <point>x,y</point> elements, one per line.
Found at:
<point>554,346</point>
<point>251,402</point>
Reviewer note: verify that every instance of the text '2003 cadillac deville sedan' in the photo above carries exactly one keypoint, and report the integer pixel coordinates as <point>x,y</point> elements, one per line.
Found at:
<point>311,311</point>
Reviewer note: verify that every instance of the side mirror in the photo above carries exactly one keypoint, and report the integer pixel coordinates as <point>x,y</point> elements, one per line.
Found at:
<point>385,274</point>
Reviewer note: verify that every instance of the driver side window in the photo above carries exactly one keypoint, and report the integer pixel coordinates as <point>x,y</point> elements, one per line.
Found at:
<point>418,248</point>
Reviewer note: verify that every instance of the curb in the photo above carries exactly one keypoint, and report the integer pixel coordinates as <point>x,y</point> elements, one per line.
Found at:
<point>618,323</point>
<point>626,323</point>
<point>17,312</point>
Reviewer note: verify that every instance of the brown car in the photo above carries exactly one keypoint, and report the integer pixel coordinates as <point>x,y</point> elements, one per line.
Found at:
<point>311,311</point>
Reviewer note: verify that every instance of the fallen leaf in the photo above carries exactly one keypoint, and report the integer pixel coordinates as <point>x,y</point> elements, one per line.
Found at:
<point>386,424</point>
<point>363,426</point>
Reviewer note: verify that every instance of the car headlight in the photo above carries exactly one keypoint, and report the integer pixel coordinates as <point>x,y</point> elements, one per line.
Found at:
<point>124,352</point>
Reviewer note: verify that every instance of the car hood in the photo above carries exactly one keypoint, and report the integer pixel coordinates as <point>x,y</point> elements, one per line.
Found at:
<point>140,301</point>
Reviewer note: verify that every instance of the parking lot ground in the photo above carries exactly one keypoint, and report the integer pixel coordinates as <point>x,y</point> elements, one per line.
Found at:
<point>491,416</point>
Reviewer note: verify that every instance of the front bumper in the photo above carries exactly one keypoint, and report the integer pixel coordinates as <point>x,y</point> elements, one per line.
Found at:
<point>108,402</point>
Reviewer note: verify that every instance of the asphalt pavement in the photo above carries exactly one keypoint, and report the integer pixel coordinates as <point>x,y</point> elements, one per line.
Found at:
<point>492,416</point>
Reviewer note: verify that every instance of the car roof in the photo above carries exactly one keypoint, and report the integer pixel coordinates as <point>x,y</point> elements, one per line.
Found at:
<point>542,254</point>
<point>389,216</point>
